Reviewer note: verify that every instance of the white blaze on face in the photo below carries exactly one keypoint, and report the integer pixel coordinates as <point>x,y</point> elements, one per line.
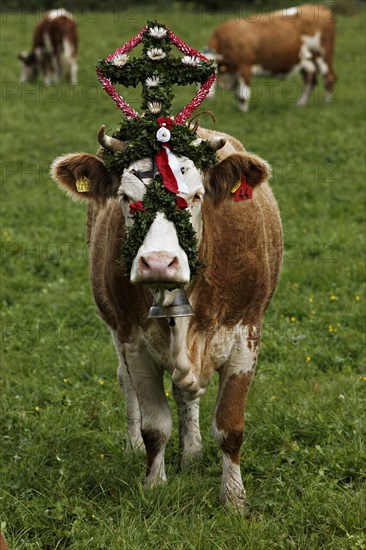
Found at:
<point>160,261</point>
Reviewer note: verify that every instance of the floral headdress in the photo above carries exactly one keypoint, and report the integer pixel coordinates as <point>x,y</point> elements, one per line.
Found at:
<point>156,133</point>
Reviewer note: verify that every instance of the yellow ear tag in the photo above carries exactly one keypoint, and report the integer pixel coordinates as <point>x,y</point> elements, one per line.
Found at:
<point>83,185</point>
<point>236,187</point>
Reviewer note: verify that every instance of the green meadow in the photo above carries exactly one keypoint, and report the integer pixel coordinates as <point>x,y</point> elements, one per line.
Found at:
<point>66,481</point>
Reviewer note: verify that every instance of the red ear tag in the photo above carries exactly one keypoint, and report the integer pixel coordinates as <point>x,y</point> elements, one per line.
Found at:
<point>243,192</point>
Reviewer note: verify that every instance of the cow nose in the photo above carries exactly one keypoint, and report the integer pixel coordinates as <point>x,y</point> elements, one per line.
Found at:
<point>159,266</point>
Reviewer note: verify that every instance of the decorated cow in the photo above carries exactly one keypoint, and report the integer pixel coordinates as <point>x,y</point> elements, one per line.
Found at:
<point>54,49</point>
<point>185,253</point>
<point>298,39</point>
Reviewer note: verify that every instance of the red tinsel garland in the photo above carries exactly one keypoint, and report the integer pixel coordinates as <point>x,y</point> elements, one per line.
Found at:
<point>184,48</point>
<point>196,101</point>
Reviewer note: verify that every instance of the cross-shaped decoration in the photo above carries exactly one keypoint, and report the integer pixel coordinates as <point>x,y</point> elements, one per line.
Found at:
<point>157,70</point>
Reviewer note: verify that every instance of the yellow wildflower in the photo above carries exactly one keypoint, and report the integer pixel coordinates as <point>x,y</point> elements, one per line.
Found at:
<point>308,358</point>
<point>292,319</point>
<point>100,382</point>
<point>333,298</point>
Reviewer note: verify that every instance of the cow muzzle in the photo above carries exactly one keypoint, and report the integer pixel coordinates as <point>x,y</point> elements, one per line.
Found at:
<point>160,262</point>
<point>160,269</point>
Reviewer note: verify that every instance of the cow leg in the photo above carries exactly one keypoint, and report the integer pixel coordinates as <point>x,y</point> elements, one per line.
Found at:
<point>69,62</point>
<point>133,414</point>
<point>228,419</point>
<point>135,441</point>
<point>47,69</point>
<point>56,70</point>
<point>71,71</point>
<point>156,422</point>
<point>243,88</point>
<point>190,441</point>
<point>309,78</point>
<point>330,78</point>
<point>73,76</point>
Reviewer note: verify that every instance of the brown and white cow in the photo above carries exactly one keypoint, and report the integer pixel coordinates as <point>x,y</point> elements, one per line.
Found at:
<point>54,49</point>
<point>299,39</point>
<point>240,245</point>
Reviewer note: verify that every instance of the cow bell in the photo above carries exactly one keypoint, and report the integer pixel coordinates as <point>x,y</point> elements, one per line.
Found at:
<point>179,308</point>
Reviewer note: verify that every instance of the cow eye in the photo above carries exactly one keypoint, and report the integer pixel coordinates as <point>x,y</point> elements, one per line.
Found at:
<point>125,198</point>
<point>182,169</point>
<point>197,197</point>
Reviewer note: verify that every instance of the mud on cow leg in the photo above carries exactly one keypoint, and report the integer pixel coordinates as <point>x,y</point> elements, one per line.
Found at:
<point>156,422</point>
<point>228,421</point>
<point>155,442</point>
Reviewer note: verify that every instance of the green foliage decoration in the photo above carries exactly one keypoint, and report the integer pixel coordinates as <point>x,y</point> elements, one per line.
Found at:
<point>157,70</point>
<point>158,199</point>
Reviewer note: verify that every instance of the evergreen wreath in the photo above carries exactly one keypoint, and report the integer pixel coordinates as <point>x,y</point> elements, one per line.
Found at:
<point>155,133</point>
<point>158,197</point>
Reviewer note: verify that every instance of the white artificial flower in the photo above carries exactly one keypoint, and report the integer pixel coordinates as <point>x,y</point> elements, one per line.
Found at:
<point>163,135</point>
<point>152,81</point>
<point>189,60</point>
<point>154,107</point>
<point>157,32</point>
<point>120,60</point>
<point>156,54</point>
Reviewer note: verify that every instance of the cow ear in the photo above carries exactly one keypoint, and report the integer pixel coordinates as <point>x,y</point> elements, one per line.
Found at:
<point>83,176</point>
<point>221,179</point>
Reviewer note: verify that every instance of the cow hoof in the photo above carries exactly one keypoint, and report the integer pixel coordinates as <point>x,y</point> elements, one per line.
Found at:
<point>243,107</point>
<point>151,482</point>
<point>189,457</point>
<point>236,503</point>
<point>135,445</point>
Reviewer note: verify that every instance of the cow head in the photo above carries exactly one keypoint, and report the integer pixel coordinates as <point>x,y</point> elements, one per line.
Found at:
<point>160,260</point>
<point>29,66</point>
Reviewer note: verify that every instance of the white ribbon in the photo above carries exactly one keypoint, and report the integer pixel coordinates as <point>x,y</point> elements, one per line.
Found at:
<point>175,166</point>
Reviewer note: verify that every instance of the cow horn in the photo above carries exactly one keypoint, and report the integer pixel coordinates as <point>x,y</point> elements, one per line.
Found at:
<point>216,143</point>
<point>109,143</point>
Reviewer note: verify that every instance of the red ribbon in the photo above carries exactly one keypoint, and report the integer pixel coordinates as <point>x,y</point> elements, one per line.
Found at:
<point>169,181</point>
<point>137,207</point>
<point>181,203</point>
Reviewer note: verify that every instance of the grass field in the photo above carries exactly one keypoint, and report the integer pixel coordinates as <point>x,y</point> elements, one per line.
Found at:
<point>65,479</point>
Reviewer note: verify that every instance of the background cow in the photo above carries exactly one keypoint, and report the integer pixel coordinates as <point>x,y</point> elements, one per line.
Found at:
<point>241,249</point>
<point>299,39</point>
<point>54,49</point>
